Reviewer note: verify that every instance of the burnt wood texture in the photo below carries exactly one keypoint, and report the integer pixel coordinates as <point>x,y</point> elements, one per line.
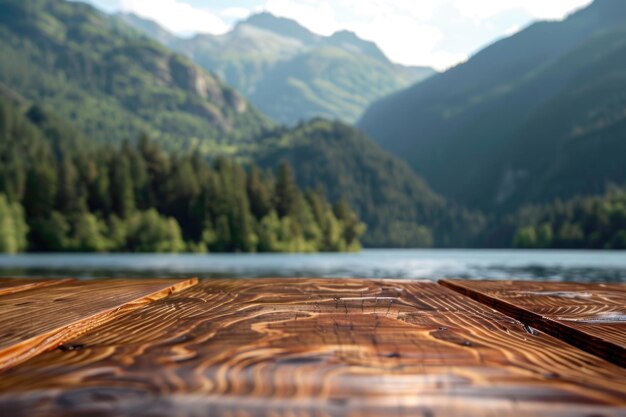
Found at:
<point>314,347</point>
<point>41,318</point>
<point>591,317</point>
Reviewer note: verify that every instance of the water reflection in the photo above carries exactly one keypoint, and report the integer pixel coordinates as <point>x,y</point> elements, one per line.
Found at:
<point>425,264</point>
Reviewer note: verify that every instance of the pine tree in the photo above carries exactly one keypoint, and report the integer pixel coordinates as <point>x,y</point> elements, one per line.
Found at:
<point>40,193</point>
<point>286,193</point>
<point>13,228</point>
<point>70,197</point>
<point>259,193</point>
<point>121,188</point>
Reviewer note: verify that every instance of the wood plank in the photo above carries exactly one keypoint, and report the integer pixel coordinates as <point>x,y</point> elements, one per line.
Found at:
<point>13,285</point>
<point>316,347</point>
<point>43,318</point>
<point>591,317</point>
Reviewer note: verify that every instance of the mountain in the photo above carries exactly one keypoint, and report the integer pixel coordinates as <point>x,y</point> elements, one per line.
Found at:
<point>536,116</point>
<point>282,26</point>
<point>108,82</point>
<point>112,82</point>
<point>290,73</point>
<point>349,41</point>
<point>399,208</point>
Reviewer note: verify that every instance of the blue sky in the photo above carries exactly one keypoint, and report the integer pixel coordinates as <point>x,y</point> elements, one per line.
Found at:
<point>438,33</point>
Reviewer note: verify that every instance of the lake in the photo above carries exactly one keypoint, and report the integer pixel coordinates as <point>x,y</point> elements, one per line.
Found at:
<point>583,266</point>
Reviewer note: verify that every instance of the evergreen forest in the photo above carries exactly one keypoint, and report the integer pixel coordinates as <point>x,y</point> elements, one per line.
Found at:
<point>59,192</point>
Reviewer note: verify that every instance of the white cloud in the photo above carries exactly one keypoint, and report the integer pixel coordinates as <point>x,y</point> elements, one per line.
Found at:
<point>512,30</point>
<point>177,16</point>
<point>411,32</point>
<point>238,13</point>
<point>443,60</point>
<point>408,30</point>
<point>539,9</point>
<point>402,39</point>
<point>399,28</point>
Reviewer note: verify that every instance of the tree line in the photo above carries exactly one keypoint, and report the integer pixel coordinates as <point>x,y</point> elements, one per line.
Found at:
<point>59,192</point>
<point>62,192</point>
<point>596,222</point>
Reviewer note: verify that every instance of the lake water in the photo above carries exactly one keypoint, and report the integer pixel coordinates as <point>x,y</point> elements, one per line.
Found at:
<point>583,266</point>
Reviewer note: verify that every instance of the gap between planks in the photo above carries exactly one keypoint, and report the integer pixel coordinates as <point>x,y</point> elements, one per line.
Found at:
<point>43,317</point>
<point>590,317</point>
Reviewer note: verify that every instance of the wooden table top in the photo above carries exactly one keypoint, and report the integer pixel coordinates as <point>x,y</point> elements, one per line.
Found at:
<point>589,316</point>
<point>310,347</point>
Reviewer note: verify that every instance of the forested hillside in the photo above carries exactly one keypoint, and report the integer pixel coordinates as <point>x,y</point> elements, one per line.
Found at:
<point>591,222</point>
<point>113,83</point>
<point>60,193</point>
<point>534,117</point>
<point>399,207</point>
<point>78,88</point>
<point>290,73</point>
<point>107,83</point>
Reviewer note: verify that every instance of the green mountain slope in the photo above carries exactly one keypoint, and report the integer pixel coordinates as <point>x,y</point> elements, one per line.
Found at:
<point>112,82</point>
<point>290,73</point>
<point>61,192</point>
<point>241,57</point>
<point>535,116</point>
<point>328,81</point>
<point>398,207</point>
<point>108,82</point>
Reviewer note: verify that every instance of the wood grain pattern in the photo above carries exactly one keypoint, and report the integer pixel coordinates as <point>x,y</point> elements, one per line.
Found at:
<point>43,318</point>
<point>591,317</point>
<point>13,285</point>
<point>316,347</point>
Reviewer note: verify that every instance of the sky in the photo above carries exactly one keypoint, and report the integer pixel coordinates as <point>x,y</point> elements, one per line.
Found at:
<point>436,33</point>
